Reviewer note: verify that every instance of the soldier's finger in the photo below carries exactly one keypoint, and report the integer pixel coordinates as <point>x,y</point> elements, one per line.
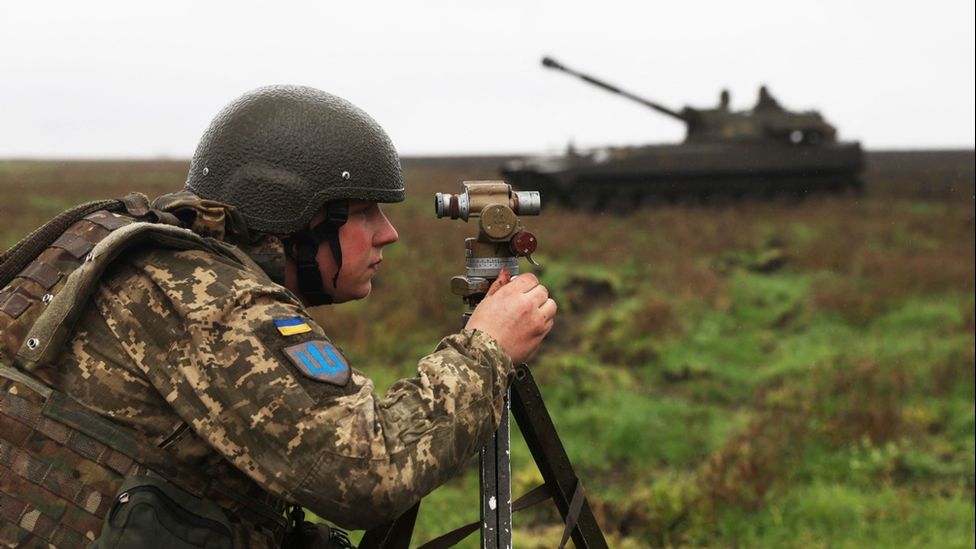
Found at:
<point>504,276</point>
<point>538,295</point>
<point>548,309</point>
<point>547,327</point>
<point>525,282</point>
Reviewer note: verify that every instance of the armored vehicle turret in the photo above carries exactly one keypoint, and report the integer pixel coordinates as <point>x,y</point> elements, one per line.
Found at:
<point>763,151</point>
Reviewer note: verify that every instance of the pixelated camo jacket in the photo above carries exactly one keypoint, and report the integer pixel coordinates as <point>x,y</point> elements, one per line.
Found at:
<point>177,338</point>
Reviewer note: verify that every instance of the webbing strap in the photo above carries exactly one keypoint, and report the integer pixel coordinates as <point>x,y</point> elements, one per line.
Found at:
<point>579,496</point>
<point>12,535</point>
<point>26,476</point>
<point>61,408</point>
<point>31,414</point>
<point>54,480</point>
<point>532,497</point>
<point>39,523</point>
<point>99,439</point>
<point>303,246</point>
<point>68,423</point>
<point>32,383</point>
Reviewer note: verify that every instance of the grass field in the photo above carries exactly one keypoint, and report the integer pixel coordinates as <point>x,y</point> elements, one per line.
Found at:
<point>757,374</point>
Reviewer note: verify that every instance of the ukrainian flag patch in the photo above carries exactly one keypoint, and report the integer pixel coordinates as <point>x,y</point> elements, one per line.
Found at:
<point>292,326</point>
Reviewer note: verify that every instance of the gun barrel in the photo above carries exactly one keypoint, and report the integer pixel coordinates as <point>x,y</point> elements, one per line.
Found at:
<point>553,64</point>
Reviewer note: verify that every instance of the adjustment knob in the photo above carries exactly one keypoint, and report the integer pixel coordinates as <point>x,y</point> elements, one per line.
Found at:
<point>523,243</point>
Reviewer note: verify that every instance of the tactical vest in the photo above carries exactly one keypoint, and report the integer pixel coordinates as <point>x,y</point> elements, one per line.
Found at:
<point>60,464</point>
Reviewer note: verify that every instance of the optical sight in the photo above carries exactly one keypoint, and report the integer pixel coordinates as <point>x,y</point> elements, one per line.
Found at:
<point>479,194</point>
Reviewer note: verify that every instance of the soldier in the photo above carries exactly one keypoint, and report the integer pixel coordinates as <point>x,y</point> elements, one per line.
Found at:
<point>766,101</point>
<point>723,100</point>
<point>200,343</point>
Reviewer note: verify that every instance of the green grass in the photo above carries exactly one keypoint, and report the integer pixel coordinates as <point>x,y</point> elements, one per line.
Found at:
<point>747,375</point>
<point>837,515</point>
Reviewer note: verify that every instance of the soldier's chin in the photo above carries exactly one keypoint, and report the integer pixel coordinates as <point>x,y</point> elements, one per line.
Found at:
<point>366,291</point>
<point>353,295</point>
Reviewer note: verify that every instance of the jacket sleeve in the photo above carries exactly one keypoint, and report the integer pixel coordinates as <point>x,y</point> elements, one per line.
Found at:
<point>201,328</point>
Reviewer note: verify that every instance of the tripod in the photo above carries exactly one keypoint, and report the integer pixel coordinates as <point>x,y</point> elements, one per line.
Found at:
<point>501,240</point>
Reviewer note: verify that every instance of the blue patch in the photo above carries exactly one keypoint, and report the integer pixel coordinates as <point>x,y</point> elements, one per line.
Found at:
<point>320,360</point>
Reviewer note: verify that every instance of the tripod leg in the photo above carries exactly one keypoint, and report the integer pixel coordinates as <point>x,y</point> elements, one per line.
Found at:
<point>395,535</point>
<point>551,458</point>
<point>496,487</point>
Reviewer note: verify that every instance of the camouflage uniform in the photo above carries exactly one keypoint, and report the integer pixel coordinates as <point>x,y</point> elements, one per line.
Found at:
<point>181,346</point>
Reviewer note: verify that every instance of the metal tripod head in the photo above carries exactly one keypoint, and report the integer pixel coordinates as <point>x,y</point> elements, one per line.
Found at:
<point>501,239</point>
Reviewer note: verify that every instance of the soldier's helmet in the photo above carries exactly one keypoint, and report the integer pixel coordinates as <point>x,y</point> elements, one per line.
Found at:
<point>279,153</point>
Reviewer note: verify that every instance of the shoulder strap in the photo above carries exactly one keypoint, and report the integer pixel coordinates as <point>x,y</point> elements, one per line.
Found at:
<point>23,252</point>
<point>17,257</point>
<point>59,310</point>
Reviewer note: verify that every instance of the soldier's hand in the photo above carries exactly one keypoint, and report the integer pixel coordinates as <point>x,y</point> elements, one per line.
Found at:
<point>517,312</point>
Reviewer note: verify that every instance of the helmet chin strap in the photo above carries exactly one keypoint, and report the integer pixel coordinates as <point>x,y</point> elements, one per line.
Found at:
<point>303,246</point>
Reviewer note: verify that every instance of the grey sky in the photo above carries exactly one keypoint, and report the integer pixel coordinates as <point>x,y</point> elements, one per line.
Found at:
<point>116,79</point>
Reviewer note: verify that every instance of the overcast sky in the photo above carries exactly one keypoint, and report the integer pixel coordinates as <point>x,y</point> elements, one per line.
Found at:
<point>117,79</point>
